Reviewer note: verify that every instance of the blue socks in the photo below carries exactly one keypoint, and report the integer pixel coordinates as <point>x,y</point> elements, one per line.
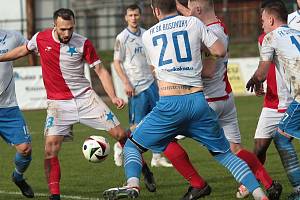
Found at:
<point>21,163</point>
<point>288,158</point>
<point>239,169</point>
<point>132,160</point>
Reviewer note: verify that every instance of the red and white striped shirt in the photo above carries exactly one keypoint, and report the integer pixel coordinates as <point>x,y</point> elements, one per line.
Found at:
<point>277,95</point>
<point>63,64</point>
<point>218,87</point>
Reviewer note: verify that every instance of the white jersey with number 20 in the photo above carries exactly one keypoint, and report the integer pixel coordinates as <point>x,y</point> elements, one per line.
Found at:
<point>176,41</point>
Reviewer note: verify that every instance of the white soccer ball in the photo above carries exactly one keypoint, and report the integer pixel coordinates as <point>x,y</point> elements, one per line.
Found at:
<point>95,149</point>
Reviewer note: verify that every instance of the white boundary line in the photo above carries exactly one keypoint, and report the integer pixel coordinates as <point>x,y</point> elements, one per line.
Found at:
<point>46,195</point>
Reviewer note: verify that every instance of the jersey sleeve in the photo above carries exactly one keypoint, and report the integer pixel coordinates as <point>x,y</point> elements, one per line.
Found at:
<point>89,54</point>
<point>267,49</point>
<point>119,50</point>
<point>32,43</point>
<point>207,36</point>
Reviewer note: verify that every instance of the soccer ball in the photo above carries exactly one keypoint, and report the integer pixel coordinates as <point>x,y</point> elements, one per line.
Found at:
<point>95,149</point>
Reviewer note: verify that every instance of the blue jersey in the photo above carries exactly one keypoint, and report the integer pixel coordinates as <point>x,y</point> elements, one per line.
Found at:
<point>177,41</point>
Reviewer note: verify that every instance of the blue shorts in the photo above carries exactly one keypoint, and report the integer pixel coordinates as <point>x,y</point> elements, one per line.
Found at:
<point>12,126</point>
<point>187,115</point>
<point>141,104</point>
<point>290,122</point>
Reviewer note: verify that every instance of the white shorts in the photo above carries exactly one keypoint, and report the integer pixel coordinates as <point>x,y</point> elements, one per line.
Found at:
<point>226,112</point>
<point>267,123</point>
<point>87,109</point>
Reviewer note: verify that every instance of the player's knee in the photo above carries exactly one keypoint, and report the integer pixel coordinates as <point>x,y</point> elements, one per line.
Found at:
<point>52,148</point>
<point>130,143</point>
<point>118,133</point>
<point>24,149</point>
<point>235,148</point>
<point>281,141</point>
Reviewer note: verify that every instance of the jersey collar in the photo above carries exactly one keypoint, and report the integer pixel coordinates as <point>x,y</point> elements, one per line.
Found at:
<point>168,17</point>
<point>138,33</point>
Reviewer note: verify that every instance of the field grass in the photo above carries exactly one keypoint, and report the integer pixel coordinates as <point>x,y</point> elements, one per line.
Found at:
<point>84,180</point>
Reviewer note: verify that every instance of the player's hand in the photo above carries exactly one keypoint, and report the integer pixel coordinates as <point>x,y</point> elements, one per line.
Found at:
<point>120,103</point>
<point>260,91</point>
<point>182,9</point>
<point>129,90</point>
<point>250,85</point>
<point>256,86</point>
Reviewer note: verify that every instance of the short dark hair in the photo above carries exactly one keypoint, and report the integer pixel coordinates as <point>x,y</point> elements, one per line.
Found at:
<point>166,6</point>
<point>65,13</point>
<point>277,9</point>
<point>266,2</point>
<point>133,7</point>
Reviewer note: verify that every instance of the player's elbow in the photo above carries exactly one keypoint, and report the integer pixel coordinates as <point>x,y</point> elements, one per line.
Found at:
<point>220,52</point>
<point>218,49</point>
<point>207,75</point>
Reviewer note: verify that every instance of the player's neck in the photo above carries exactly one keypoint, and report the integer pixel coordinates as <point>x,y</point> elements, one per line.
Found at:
<point>134,29</point>
<point>209,18</point>
<point>163,16</point>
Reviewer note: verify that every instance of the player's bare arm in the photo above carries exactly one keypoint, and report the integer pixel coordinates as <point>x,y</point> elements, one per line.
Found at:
<point>255,83</point>
<point>209,63</point>
<point>129,90</point>
<point>182,9</point>
<point>14,54</point>
<point>107,83</point>
<point>217,49</point>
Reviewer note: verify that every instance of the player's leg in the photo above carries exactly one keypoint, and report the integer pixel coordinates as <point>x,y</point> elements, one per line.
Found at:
<point>228,120</point>
<point>154,132</point>
<point>138,107</point>
<point>181,162</point>
<point>266,127</point>
<point>61,115</point>
<point>219,147</point>
<point>90,108</point>
<point>52,165</point>
<point>14,130</point>
<point>289,127</point>
<point>261,146</point>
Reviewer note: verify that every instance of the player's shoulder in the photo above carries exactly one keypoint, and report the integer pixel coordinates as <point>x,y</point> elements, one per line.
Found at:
<point>46,33</point>
<point>122,35</point>
<point>292,15</point>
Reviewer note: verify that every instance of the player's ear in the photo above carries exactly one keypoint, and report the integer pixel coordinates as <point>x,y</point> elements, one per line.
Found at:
<point>272,20</point>
<point>198,10</point>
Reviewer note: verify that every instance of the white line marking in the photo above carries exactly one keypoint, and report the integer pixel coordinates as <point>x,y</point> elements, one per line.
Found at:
<point>46,195</point>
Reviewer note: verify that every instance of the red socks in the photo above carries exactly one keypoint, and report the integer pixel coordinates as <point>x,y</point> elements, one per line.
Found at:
<point>256,167</point>
<point>181,162</point>
<point>52,171</point>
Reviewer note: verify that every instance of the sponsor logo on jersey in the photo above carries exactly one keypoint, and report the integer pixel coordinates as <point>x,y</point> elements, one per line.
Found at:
<point>48,48</point>
<point>72,50</point>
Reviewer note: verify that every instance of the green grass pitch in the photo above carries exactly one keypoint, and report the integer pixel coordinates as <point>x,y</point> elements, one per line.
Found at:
<point>86,181</point>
